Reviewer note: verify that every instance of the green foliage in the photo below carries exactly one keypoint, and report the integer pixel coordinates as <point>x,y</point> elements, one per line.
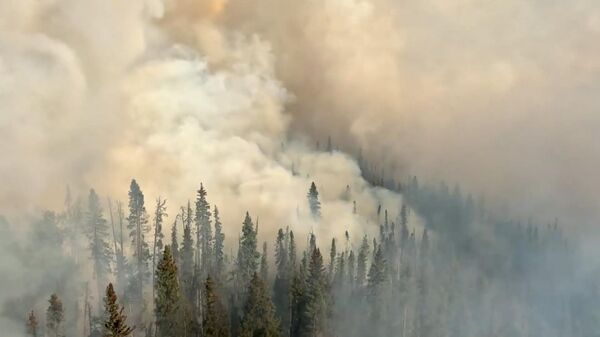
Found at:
<point>259,318</point>
<point>248,256</point>
<point>138,226</point>
<point>214,316</point>
<point>97,231</point>
<point>167,303</point>
<point>219,247</point>
<point>203,233</point>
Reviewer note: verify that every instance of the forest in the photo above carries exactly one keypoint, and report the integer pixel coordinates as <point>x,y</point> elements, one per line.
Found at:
<point>466,272</point>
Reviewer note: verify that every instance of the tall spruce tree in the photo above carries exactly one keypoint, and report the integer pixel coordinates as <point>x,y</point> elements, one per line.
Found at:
<point>32,325</point>
<point>259,318</point>
<point>313,317</point>
<point>97,230</point>
<point>175,242</point>
<point>377,278</point>
<point>264,264</point>
<point>361,267</point>
<point>160,212</point>
<point>138,226</point>
<point>203,234</point>
<point>167,304</point>
<point>187,257</point>
<point>351,276</point>
<point>219,247</point>
<point>215,321</point>
<point>115,321</point>
<point>313,201</point>
<point>281,285</point>
<point>248,256</point>
<point>55,318</point>
<point>332,256</point>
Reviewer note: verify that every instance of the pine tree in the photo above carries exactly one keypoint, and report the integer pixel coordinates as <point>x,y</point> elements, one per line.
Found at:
<point>55,318</point>
<point>167,304</point>
<point>313,201</point>
<point>361,268</point>
<point>332,255</point>
<point>97,230</point>
<point>32,325</point>
<point>203,233</point>
<point>377,278</point>
<point>138,226</point>
<point>293,252</point>
<point>247,253</point>
<point>264,264</point>
<point>340,272</point>
<point>214,317</point>
<point>281,285</point>
<point>115,324</point>
<point>219,246</point>
<point>351,269</point>
<point>187,257</point>
<point>315,310</point>
<point>259,315</point>
<point>160,213</point>
<point>175,242</point>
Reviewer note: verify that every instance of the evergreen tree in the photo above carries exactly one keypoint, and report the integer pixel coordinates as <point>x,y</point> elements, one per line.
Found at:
<point>247,253</point>
<point>214,316</point>
<point>98,236</point>
<point>32,325</point>
<point>340,272</point>
<point>203,233</point>
<point>138,226</point>
<point>160,213</point>
<point>313,201</point>
<point>332,255</point>
<point>361,268</point>
<point>281,285</point>
<point>259,315</point>
<point>351,269</point>
<point>313,317</point>
<point>377,278</point>
<point>175,242</point>
<point>55,318</point>
<point>264,264</point>
<point>115,324</point>
<point>219,246</point>
<point>293,252</point>
<point>187,257</point>
<point>167,304</point>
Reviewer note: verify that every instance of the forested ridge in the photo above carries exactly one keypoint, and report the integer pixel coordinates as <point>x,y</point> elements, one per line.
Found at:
<point>459,271</point>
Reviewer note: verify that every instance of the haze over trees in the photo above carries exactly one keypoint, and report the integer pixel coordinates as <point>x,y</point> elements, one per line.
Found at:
<point>446,278</point>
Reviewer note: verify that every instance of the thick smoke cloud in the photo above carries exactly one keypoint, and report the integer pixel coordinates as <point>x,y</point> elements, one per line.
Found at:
<point>495,96</point>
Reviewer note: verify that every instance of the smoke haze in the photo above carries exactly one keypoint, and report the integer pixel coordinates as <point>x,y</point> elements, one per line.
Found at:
<point>499,96</point>
<point>495,96</point>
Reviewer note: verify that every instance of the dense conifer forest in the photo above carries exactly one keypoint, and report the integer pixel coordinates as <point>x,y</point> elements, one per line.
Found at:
<point>148,271</point>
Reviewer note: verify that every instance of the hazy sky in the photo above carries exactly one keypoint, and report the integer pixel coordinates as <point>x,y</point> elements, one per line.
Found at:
<point>500,96</point>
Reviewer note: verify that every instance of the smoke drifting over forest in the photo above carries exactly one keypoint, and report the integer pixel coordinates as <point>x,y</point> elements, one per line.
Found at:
<point>497,96</point>
<point>396,80</point>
